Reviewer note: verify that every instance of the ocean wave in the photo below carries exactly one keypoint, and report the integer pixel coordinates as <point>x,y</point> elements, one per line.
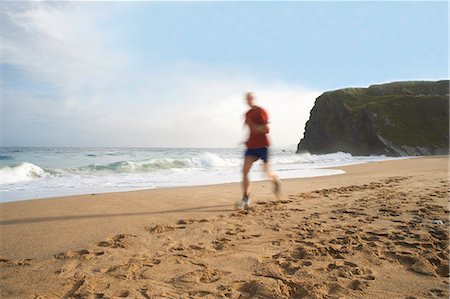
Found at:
<point>204,160</point>
<point>210,160</point>
<point>132,166</point>
<point>6,157</point>
<point>20,173</point>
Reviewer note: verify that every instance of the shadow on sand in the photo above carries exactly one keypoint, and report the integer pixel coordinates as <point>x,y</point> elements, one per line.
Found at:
<point>205,209</point>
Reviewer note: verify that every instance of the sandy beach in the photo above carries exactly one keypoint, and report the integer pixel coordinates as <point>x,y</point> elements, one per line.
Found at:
<point>378,231</point>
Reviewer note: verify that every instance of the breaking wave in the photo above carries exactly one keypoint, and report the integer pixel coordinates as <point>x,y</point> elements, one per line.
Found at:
<point>27,171</point>
<point>205,160</point>
<point>20,173</point>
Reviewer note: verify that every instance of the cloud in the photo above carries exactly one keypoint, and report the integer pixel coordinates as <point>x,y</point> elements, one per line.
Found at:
<point>64,84</point>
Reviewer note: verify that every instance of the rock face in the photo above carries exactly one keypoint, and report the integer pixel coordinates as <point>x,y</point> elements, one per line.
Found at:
<point>394,119</point>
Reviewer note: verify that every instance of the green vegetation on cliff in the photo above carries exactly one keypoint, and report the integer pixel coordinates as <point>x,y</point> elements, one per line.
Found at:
<point>401,118</point>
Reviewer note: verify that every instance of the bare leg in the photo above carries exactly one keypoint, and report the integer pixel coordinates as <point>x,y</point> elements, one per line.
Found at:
<point>276,181</point>
<point>245,181</point>
<point>269,172</point>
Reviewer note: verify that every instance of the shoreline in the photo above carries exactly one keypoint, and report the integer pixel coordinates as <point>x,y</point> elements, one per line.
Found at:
<point>385,210</point>
<point>118,171</point>
<point>336,168</point>
<point>176,187</point>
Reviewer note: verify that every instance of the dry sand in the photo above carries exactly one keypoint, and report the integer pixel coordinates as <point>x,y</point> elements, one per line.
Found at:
<point>378,231</point>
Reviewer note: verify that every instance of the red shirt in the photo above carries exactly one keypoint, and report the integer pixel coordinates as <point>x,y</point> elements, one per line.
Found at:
<point>258,116</point>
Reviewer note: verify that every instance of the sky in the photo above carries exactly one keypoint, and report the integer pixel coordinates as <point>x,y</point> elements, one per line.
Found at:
<point>173,74</point>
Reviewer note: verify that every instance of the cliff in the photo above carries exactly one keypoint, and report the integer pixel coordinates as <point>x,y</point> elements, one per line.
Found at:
<point>394,119</point>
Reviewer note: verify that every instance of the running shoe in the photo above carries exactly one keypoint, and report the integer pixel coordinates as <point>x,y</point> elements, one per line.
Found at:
<point>245,202</point>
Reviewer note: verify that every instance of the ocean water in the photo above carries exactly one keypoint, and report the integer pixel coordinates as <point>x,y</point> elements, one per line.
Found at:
<point>31,173</point>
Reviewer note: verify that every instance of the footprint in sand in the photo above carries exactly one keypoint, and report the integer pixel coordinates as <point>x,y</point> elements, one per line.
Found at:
<point>413,262</point>
<point>118,241</point>
<point>162,228</point>
<point>359,277</point>
<point>227,291</point>
<point>358,285</point>
<point>15,262</point>
<point>234,231</point>
<point>131,270</point>
<point>77,254</point>
<point>122,294</point>
<point>265,287</point>
<point>221,244</point>
<point>200,276</point>
<point>175,246</point>
<point>291,268</point>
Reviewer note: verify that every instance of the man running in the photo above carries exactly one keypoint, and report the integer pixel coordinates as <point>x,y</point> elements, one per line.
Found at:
<point>257,121</point>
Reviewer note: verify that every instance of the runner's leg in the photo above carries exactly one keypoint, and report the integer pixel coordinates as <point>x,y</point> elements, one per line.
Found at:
<point>246,188</point>
<point>268,171</point>
<point>276,181</point>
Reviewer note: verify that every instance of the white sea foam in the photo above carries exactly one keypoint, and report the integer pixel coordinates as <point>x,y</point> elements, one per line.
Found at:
<point>326,160</point>
<point>20,173</point>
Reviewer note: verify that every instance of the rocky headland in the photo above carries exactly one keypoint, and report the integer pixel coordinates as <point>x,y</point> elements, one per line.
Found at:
<point>394,119</point>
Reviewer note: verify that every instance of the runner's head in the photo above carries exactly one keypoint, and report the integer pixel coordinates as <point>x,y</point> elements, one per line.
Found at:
<point>250,99</point>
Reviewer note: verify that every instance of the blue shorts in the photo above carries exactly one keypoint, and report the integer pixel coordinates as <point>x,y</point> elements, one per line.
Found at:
<point>260,153</point>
